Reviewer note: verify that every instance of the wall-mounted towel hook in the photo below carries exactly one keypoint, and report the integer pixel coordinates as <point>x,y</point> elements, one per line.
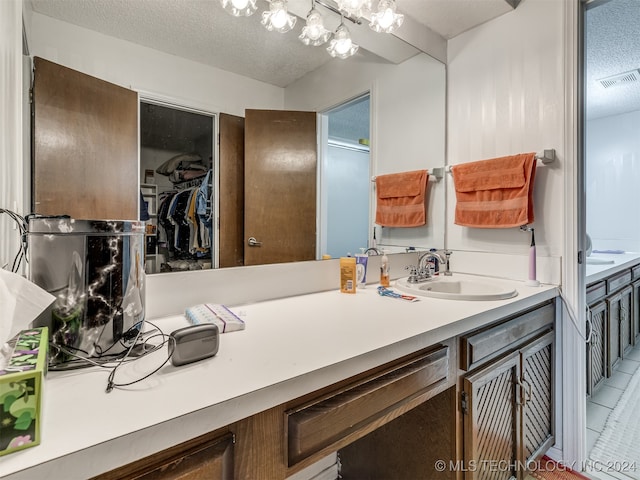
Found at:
<point>546,156</point>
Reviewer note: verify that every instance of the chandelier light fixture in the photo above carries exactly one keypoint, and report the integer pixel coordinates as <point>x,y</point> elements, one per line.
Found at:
<point>239,8</point>
<point>278,18</point>
<point>314,32</point>
<point>341,45</point>
<point>384,19</point>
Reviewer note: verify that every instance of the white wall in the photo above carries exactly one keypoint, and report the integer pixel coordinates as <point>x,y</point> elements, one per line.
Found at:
<point>11,161</point>
<point>613,177</point>
<point>407,125</point>
<point>147,70</point>
<point>506,96</point>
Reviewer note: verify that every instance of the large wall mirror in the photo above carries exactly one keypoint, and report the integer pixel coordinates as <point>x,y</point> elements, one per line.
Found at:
<point>191,57</point>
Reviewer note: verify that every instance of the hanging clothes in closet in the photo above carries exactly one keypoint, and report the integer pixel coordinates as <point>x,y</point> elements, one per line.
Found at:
<point>188,234</point>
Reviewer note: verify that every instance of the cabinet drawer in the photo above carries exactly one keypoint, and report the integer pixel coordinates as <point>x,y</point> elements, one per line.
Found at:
<point>635,272</point>
<point>324,421</point>
<point>487,343</point>
<point>596,292</point>
<point>618,281</point>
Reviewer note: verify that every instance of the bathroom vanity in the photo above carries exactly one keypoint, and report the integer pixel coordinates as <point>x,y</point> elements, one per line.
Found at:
<point>392,386</point>
<point>613,317</point>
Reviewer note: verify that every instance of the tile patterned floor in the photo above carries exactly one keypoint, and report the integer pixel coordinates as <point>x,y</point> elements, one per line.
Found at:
<point>599,406</point>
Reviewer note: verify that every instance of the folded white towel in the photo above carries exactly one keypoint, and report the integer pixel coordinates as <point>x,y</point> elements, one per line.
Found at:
<point>225,319</point>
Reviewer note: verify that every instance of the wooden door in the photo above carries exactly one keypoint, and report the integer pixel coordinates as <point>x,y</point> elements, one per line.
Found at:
<point>85,145</point>
<point>491,425</point>
<point>537,433</point>
<point>280,186</point>
<point>231,191</point>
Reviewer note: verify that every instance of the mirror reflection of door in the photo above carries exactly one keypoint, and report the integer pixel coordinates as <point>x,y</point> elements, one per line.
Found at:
<point>84,145</point>
<point>177,183</point>
<point>280,186</point>
<point>346,178</point>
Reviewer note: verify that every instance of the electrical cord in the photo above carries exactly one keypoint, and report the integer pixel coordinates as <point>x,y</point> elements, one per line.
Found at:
<point>22,225</point>
<point>170,346</point>
<point>573,316</point>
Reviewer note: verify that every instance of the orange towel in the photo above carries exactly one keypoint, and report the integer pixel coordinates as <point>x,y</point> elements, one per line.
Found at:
<point>496,193</point>
<point>402,199</point>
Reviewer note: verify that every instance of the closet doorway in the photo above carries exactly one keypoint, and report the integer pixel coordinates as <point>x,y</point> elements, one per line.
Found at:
<point>345,173</point>
<point>177,179</point>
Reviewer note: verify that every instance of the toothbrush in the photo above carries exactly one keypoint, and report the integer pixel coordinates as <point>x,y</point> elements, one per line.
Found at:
<point>532,281</point>
<point>385,292</point>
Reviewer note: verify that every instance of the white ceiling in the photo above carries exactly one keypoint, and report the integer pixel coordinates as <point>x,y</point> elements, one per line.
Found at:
<point>612,31</point>
<point>202,31</point>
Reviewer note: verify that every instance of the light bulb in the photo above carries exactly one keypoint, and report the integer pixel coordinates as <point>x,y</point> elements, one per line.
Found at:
<point>314,33</point>
<point>356,8</point>
<point>342,46</point>
<point>279,19</point>
<point>239,7</point>
<point>386,19</point>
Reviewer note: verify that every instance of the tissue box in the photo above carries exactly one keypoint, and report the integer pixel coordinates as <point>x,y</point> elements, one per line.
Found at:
<point>21,385</point>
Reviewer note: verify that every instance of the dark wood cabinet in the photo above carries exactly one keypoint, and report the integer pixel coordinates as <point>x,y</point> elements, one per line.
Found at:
<point>508,403</point>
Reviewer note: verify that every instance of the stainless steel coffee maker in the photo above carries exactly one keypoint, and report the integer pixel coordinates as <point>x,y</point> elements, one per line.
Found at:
<point>95,269</point>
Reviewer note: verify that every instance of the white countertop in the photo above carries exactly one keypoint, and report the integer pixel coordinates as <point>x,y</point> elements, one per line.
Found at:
<point>290,347</point>
<point>618,263</point>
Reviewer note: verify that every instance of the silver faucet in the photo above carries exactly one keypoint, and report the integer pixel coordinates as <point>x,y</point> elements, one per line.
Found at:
<point>425,270</point>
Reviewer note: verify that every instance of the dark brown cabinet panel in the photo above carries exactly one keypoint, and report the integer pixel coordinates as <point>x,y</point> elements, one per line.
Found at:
<point>322,422</point>
<point>209,457</point>
<point>508,404</point>
<point>85,145</point>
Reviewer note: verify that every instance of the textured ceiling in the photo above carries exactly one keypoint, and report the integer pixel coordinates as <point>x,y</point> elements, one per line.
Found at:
<point>612,31</point>
<point>202,31</point>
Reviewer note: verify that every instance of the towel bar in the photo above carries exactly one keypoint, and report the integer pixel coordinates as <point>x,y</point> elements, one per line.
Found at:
<point>546,156</point>
<point>436,173</point>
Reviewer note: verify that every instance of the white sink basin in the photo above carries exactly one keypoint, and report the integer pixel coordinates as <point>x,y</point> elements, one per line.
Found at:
<point>459,287</point>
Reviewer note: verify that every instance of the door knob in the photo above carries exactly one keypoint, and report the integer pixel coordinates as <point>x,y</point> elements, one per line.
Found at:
<point>253,242</point>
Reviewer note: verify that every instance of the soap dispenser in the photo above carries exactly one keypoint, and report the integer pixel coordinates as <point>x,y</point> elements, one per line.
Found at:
<point>384,269</point>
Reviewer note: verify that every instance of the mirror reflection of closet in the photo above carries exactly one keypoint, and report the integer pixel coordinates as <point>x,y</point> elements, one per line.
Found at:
<point>176,182</point>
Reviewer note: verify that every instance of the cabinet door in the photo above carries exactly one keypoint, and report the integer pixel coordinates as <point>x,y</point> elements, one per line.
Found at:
<point>537,433</point>
<point>614,307</point>
<point>597,348</point>
<point>636,312</point>
<point>491,426</point>
<point>626,321</point>
<point>85,145</point>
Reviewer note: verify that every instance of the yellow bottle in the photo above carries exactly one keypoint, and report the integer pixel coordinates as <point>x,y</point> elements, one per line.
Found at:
<point>384,270</point>
<point>348,274</point>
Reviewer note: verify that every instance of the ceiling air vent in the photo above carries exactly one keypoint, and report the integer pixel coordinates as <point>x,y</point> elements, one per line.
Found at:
<point>620,79</point>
